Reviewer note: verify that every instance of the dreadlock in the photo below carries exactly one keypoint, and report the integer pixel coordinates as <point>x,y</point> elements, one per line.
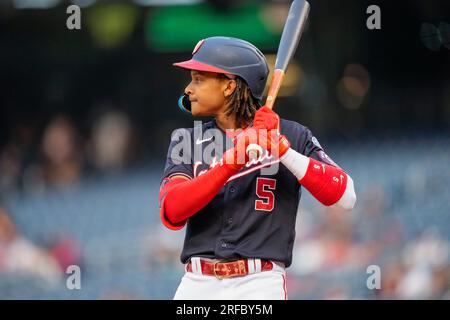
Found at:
<point>242,103</point>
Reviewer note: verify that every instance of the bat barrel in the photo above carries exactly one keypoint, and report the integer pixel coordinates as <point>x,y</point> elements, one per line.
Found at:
<point>293,28</point>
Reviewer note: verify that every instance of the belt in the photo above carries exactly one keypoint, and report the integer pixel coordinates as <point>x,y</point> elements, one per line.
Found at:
<point>229,269</point>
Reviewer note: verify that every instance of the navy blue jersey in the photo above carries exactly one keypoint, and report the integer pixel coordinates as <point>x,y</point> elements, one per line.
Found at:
<point>253,215</point>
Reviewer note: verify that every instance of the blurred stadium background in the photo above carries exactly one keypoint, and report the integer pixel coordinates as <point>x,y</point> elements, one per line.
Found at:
<point>86,117</point>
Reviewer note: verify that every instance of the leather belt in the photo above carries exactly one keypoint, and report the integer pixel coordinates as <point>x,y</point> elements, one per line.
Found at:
<point>229,269</point>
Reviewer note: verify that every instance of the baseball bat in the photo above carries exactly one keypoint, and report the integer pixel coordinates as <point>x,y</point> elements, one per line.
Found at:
<point>290,37</point>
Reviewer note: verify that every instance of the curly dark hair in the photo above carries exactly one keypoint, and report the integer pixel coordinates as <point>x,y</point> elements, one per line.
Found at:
<point>242,103</point>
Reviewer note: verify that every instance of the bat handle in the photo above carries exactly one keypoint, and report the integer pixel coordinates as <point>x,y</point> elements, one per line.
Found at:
<point>275,85</point>
<point>253,150</point>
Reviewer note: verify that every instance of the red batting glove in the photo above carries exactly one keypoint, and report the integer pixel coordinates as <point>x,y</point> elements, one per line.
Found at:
<point>277,144</point>
<point>266,118</point>
<point>236,157</point>
<point>267,123</point>
<point>283,145</point>
<point>270,140</point>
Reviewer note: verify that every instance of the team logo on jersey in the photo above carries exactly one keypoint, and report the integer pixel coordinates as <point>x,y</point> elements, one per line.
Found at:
<point>322,153</point>
<point>326,158</point>
<point>265,160</point>
<point>316,142</point>
<point>204,153</point>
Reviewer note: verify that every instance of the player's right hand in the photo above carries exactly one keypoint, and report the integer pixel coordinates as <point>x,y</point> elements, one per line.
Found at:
<point>237,156</point>
<point>266,118</point>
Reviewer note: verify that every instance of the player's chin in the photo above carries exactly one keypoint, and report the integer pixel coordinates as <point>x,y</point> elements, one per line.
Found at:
<point>195,110</point>
<point>198,110</point>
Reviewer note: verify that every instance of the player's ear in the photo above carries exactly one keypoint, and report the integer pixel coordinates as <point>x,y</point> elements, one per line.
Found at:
<point>229,87</point>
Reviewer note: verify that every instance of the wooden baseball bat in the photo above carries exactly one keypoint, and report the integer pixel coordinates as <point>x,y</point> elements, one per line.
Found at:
<point>292,31</point>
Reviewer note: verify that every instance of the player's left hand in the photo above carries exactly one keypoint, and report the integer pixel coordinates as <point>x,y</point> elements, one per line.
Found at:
<point>270,140</point>
<point>276,143</point>
<point>266,118</point>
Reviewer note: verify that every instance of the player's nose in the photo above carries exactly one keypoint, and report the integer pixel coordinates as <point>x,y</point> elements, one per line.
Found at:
<point>188,90</point>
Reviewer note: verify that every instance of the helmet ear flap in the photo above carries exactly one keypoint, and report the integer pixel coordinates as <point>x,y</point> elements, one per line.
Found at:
<point>184,103</point>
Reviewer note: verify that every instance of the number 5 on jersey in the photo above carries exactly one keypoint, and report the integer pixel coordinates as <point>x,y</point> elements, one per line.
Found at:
<point>264,190</point>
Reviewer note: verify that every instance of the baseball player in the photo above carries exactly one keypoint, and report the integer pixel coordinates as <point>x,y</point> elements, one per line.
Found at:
<point>240,219</point>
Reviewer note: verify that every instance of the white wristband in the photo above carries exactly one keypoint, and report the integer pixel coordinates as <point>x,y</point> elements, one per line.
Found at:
<point>295,162</point>
<point>298,164</point>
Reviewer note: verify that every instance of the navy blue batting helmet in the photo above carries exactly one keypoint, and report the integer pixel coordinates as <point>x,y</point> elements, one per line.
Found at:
<point>230,56</point>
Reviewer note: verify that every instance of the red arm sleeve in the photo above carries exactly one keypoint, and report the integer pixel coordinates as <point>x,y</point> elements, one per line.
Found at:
<point>180,198</point>
<point>325,182</point>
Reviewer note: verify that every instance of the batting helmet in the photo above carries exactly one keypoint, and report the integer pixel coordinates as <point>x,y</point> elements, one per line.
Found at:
<point>230,56</point>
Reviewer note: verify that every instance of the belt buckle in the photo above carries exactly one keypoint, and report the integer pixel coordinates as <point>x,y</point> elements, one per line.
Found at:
<point>238,271</point>
<point>216,269</point>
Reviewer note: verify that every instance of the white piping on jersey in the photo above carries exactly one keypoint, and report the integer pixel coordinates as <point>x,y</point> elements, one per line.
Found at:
<point>238,175</point>
<point>180,174</point>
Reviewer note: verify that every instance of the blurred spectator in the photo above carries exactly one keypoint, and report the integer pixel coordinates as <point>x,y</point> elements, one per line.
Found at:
<point>330,244</point>
<point>15,156</point>
<point>331,251</point>
<point>390,278</point>
<point>20,256</point>
<point>164,246</point>
<point>111,147</point>
<point>426,259</point>
<point>66,251</point>
<point>62,154</point>
<point>429,250</point>
<point>10,169</point>
<point>375,225</point>
<point>119,294</point>
<point>336,293</point>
